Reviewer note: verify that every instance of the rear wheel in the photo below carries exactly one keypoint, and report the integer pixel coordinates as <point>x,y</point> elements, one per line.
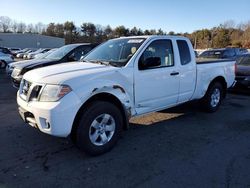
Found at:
<point>212,100</point>
<point>99,128</point>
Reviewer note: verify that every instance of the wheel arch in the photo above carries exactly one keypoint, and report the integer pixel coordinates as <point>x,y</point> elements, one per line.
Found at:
<point>222,81</point>
<point>104,96</point>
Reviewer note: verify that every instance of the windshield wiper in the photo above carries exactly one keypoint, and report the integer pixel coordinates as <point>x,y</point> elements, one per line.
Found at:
<point>103,62</point>
<point>107,63</point>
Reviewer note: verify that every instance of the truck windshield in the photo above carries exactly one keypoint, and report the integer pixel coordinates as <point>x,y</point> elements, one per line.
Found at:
<point>116,52</point>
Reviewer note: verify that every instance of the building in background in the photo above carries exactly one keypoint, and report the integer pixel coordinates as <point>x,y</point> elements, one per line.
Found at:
<point>29,40</point>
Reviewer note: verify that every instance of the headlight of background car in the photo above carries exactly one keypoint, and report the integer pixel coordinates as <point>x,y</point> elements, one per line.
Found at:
<point>16,72</point>
<point>52,93</point>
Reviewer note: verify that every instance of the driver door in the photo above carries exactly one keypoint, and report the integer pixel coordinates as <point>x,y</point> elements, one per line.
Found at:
<point>156,84</point>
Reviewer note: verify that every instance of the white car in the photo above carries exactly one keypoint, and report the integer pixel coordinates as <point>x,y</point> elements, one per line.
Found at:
<point>25,52</point>
<point>92,101</point>
<point>5,59</point>
<point>42,55</point>
<point>40,51</point>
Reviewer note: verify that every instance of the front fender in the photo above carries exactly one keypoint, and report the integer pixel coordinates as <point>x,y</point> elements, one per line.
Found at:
<point>118,91</point>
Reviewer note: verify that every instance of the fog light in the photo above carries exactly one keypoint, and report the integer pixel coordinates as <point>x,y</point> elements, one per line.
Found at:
<point>44,123</point>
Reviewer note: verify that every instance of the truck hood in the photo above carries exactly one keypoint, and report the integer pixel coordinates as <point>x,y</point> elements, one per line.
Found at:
<point>66,73</point>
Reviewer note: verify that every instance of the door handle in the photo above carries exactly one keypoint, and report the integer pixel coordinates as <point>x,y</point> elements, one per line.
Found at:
<point>174,73</point>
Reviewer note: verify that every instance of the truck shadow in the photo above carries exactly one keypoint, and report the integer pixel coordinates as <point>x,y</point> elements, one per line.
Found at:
<point>186,109</point>
<point>240,91</point>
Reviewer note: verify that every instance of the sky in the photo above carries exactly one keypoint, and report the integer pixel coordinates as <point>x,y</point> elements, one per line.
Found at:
<point>175,15</point>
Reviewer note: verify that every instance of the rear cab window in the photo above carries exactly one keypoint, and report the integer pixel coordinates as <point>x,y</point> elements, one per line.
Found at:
<point>184,52</point>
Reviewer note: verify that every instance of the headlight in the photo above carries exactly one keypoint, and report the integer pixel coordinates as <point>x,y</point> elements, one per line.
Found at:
<point>52,93</point>
<point>16,72</point>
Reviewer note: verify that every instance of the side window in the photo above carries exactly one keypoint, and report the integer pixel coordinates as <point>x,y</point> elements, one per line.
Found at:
<point>184,52</point>
<point>158,54</point>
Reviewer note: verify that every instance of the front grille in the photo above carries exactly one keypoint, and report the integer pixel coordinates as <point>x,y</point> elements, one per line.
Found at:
<point>29,91</point>
<point>34,94</point>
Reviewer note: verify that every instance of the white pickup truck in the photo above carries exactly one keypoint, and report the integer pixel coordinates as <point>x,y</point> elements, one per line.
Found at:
<point>93,100</point>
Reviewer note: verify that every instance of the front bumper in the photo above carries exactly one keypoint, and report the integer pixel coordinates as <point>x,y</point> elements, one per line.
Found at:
<point>54,118</point>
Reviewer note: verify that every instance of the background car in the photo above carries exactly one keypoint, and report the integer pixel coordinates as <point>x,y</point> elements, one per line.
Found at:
<point>42,55</point>
<point>5,59</point>
<point>20,55</point>
<point>25,55</point>
<point>5,50</point>
<point>223,53</point>
<point>243,71</point>
<point>67,53</point>
<point>10,66</point>
<point>20,51</point>
<point>39,51</point>
<point>14,50</point>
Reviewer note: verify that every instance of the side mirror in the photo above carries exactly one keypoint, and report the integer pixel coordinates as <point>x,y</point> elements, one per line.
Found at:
<point>148,63</point>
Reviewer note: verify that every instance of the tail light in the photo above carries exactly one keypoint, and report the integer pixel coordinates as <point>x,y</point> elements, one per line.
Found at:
<point>235,68</point>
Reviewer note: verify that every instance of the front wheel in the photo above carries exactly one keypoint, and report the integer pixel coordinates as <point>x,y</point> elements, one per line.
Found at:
<point>99,128</point>
<point>212,100</point>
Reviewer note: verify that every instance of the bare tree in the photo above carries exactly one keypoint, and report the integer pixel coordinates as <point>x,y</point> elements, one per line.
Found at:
<point>14,26</point>
<point>30,28</point>
<point>39,27</point>
<point>246,36</point>
<point>5,24</point>
<point>21,27</point>
<point>229,24</point>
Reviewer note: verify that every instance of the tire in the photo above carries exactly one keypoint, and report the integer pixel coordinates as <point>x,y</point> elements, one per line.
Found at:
<point>99,128</point>
<point>3,64</point>
<point>213,98</point>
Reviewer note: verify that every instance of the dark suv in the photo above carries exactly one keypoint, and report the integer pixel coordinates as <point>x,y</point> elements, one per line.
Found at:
<point>223,53</point>
<point>67,53</point>
<point>243,71</point>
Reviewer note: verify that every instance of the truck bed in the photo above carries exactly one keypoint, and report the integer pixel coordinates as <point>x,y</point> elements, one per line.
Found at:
<point>208,69</point>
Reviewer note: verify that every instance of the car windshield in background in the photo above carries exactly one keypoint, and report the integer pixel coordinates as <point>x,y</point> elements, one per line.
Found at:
<point>244,60</point>
<point>60,52</point>
<point>115,52</point>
